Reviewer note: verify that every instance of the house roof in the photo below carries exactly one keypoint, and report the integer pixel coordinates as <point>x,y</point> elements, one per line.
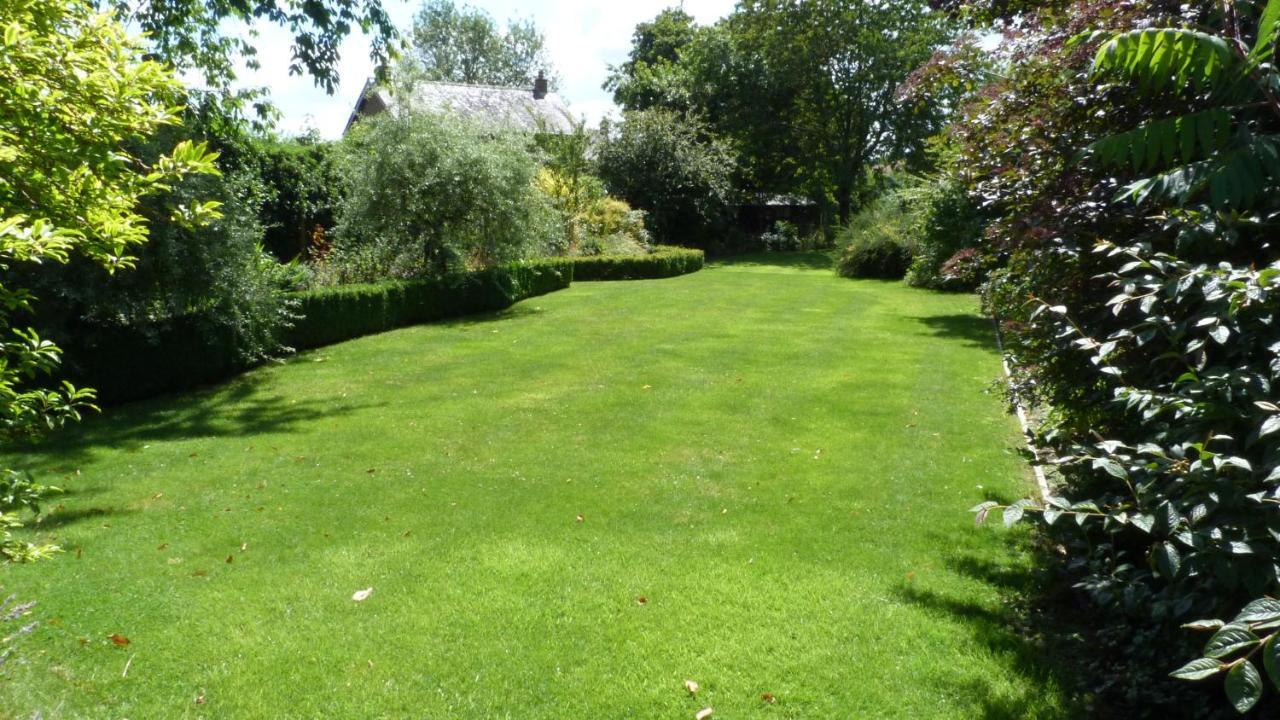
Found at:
<point>511,107</point>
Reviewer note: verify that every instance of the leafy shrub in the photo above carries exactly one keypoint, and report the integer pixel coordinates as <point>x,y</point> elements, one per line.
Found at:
<point>428,195</point>
<point>950,225</point>
<point>879,241</point>
<point>668,166</point>
<point>1130,175</point>
<point>663,262</point>
<point>301,191</point>
<point>874,256</point>
<point>595,223</point>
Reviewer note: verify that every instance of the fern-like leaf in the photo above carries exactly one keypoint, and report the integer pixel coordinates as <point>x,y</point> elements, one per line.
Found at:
<point>1162,143</point>
<point>1158,58</point>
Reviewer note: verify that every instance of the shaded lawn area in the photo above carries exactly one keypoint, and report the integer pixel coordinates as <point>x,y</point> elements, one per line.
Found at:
<point>755,477</point>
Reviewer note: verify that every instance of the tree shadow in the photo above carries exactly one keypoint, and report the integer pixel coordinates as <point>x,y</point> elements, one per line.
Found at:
<point>61,517</point>
<point>244,406</point>
<point>973,330</point>
<point>1016,628</point>
<point>813,260</point>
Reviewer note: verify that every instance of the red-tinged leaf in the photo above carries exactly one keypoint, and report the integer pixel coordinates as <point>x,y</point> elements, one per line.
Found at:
<point>118,639</point>
<point>768,699</point>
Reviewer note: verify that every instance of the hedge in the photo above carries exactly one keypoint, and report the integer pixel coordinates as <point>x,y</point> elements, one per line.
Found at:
<point>126,363</point>
<point>666,261</point>
<point>335,314</point>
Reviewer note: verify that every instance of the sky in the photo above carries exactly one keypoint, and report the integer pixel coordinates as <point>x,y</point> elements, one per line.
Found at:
<point>583,37</point>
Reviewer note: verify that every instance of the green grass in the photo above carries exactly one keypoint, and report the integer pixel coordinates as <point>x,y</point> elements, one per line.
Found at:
<point>778,461</point>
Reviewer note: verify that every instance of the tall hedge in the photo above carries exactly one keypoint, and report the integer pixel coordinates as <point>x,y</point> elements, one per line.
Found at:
<point>138,361</point>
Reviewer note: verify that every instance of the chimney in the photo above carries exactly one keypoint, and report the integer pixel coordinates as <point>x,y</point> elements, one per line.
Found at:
<point>540,86</point>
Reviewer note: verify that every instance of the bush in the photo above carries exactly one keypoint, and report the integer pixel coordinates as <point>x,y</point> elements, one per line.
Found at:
<point>879,241</point>
<point>595,224</point>
<point>302,190</point>
<point>950,227</point>
<point>664,262</point>
<point>428,195</point>
<point>667,166</point>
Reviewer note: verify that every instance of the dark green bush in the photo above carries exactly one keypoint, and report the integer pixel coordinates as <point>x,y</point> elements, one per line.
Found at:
<point>874,256</point>
<point>131,362</point>
<point>666,261</point>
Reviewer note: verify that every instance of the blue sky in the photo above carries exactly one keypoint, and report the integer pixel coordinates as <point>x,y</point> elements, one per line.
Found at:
<point>583,36</point>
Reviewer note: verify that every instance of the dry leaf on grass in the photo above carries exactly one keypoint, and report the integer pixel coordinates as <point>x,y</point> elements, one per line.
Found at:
<point>703,714</point>
<point>768,698</point>
<point>200,698</point>
<point>362,595</point>
<point>691,686</point>
<point>118,639</point>
<point>581,518</point>
<point>642,600</point>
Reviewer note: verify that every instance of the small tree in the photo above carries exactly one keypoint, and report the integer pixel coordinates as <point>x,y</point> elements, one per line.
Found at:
<point>431,194</point>
<point>73,93</point>
<point>668,166</point>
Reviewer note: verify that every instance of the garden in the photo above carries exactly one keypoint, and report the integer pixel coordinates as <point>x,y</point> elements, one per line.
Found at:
<point>706,411</point>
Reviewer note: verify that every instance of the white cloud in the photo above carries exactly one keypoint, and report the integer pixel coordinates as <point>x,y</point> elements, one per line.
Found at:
<point>583,36</point>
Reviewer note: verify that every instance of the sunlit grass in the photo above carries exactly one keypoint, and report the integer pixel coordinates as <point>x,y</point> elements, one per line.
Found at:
<point>755,477</point>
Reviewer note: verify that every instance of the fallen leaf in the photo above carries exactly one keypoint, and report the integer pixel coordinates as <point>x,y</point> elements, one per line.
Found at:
<point>162,546</point>
<point>231,559</point>
<point>371,470</point>
<point>199,573</point>
<point>200,698</point>
<point>581,518</point>
<point>362,595</point>
<point>691,686</point>
<point>768,698</point>
<point>642,600</point>
<point>406,533</point>
<point>648,387</point>
<point>244,546</point>
<point>118,639</point>
<point>703,714</point>
<point>54,621</point>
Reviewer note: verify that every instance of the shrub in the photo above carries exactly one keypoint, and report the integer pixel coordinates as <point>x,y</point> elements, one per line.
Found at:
<point>301,191</point>
<point>594,222</point>
<point>878,242</point>
<point>669,167</point>
<point>428,195</point>
<point>664,262</point>
<point>950,224</point>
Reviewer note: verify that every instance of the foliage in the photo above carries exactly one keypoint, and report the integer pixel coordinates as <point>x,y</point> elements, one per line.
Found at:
<point>302,191</point>
<point>663,262</point>
<point>431,194</point>
<point>72,94</point>
<point>881,240</point>
<point>1138,295</point>
<point>193,34</point>
<point>782,237</point>
<point>653,75</point>
<point>463,44</point>
<point>594,222</point>
<point>948,228</point>
<point>665,165</point>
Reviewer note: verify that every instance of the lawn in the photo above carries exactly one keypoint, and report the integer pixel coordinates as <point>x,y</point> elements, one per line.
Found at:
<point>755,477</point>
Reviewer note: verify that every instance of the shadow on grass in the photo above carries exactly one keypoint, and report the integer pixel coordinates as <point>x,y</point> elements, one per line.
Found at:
<point>239,408</point>
<point>973,330</point>
<point>60,517</point>
<point>797,260</point>
<point>1017,628</point>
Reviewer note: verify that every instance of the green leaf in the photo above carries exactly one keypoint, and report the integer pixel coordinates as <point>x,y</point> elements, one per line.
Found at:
<point>1261,610</point>
<point>1267,27</point>
<point>1271,661</point>
<point>1012,515</point>
<point>1271,425</point>
<point>1167,559</point>
<point>1244,686</point>
<point>1198,669</point>
<point>1204,625</point>
<point>1231,638</point>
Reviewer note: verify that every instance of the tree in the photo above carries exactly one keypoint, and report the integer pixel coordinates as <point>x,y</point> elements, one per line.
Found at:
<point>667,166</point>
<point>68,188</point>
<point>653,75</point>
<point>815,104</point>
<point>462,44</point>
<point>192,34</point>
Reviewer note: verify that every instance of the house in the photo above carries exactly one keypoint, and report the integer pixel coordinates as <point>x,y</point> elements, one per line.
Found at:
<point>521,109</point>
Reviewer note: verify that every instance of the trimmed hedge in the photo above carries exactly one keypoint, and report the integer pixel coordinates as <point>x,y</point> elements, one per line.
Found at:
<point>335,314</point>
<point>666,261</point>
<point>126,363</point>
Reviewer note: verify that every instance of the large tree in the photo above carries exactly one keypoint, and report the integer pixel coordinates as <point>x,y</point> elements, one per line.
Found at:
<point>74,94</point>
<point>816,104</point>
<point>653,75</point>
<point>463,44</point>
